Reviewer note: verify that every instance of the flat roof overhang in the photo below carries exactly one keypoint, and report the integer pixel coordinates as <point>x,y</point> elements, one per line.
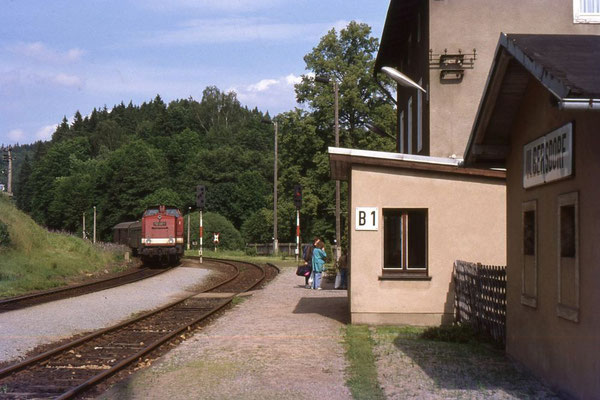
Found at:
<point>341,161</point>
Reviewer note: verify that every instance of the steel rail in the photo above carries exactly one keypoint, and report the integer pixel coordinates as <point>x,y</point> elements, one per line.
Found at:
<point>122,364</point>
<point>11,369</point>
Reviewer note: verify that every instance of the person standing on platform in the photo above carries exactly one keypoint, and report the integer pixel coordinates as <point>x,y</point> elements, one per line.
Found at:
<point>318,264</point>
<point>307,256</point>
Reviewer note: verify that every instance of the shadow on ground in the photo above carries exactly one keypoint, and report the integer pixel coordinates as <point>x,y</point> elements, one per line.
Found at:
<point>469,367</point>
<point>335,308</point>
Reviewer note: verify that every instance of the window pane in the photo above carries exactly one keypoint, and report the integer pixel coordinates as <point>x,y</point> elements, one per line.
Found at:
<point>529,233</point>
<point>392,252</point>
<point>589,6</point>
<point>417,239</point>
<point>567,231</point>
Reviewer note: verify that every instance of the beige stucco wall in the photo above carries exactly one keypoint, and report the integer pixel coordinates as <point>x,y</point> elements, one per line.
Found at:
<point>469,24</point>
<point>565,353</point>
<point>466,220</point>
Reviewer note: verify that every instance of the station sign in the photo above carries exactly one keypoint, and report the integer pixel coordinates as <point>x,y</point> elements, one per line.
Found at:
<point>367,219</point>
<point>548,158</point>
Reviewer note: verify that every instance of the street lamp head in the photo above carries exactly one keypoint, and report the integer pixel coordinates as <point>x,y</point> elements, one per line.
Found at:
<point>322,79</point>
<point>378,130</point>
<point>401,79</point>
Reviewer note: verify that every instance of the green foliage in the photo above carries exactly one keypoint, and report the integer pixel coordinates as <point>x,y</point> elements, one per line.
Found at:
<point>162,196</point>
<point>361,370</point>
<point>229,238</point>
<point>4,235</point>
<point>457,333</point>
<point>37,259</point>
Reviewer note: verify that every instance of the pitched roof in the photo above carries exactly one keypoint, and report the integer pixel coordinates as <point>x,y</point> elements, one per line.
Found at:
<point>568,66</point>
<point>400,16</point>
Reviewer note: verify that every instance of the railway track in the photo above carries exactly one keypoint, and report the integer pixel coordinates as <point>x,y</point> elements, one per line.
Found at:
<point>75,367</point>
<point>19,302</point>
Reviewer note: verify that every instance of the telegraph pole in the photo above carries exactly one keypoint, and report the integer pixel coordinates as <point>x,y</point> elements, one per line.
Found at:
<point>9,188</point>
<point>275,241</point>
<point>94,224</point>
<point>7,156</point>
<point>337,182</point>
<point>188,239</point>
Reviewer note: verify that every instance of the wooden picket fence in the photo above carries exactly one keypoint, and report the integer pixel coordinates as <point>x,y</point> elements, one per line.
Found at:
<point>480,297</point>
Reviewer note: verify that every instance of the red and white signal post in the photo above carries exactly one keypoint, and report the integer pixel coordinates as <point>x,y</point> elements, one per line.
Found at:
<point>298,204</point>
<point>200,202</point>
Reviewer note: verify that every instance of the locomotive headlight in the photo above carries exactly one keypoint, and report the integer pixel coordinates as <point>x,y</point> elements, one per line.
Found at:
<point>171,240</point>
<point>148,241</point>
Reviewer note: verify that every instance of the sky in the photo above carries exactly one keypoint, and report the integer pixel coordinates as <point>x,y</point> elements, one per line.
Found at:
<point>62,56</point>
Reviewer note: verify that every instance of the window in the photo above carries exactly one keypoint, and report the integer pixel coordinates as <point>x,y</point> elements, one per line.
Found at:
<point>586,11</point>
<point>401,137</point>
<point>529,268</point>
<point>409,125</point>
<point>405,241</point>
<point>420,118</point>
<point>568,257</point>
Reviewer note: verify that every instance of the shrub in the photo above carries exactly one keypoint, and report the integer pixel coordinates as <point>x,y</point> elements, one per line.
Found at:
<point>4,236</point>
<point>455,333</point>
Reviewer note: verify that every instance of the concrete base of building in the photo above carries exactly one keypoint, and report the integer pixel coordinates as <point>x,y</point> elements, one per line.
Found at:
<point>416,319</point>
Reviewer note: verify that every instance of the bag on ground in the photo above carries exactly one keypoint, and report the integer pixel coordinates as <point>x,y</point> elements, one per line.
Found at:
<point>338,281</point>
<point>303,270</point>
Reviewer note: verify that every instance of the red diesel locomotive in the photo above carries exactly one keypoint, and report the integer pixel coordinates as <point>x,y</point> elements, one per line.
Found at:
<point>158,237</point>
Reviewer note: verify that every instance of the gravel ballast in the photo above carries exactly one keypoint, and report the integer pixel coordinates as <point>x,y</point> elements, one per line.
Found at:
<point>23,330</point>
<point>284,342</point>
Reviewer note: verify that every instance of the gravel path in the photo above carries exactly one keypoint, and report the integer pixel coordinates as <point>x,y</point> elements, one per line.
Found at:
<point>61,319</point>
<point>282,343</point>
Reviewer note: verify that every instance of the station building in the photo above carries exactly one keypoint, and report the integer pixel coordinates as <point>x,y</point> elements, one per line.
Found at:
<point>413,213</point>
<point>541,107</point>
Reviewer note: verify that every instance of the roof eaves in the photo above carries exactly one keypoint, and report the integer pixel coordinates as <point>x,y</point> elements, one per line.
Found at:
<point>554,85</point>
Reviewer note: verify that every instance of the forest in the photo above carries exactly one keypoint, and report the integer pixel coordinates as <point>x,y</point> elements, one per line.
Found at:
<point>124,158</point>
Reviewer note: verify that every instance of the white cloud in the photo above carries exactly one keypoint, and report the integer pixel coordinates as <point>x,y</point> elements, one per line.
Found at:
<point>40,52</point>
<point>275,95</point>
<point>45,133</point>
<point>223,30</point>
<point>16,135</point>
<point>262,85</point>
<point>67,80</point>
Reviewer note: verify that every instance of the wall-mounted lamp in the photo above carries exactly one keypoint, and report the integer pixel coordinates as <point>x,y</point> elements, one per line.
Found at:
<point>401,79</point>
<point>378,130</point>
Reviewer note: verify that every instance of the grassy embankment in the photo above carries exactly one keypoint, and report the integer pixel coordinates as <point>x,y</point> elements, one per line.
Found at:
<point>36,259</point>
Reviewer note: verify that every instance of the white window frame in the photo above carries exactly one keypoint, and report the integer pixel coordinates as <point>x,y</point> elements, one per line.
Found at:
<point>402,131</point>
<point>420,118</point>
<point>568,311</point>
<point>581,17</point>
<point>529,299</point>
<point>409,113</point>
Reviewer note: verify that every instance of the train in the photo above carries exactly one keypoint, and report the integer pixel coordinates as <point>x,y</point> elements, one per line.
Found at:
<point>157,238</point>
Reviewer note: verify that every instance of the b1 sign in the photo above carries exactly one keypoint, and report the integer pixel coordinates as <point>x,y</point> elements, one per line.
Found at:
<point>367,219</point>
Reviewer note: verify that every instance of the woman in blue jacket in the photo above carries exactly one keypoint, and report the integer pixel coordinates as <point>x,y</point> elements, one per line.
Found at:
<point>318,264</point>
